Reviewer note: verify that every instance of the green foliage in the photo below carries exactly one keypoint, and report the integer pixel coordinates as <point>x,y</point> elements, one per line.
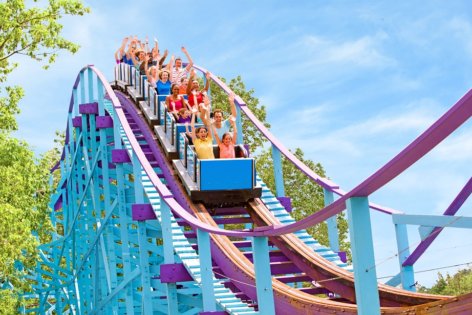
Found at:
<point>24,194</point>
<point>26,30</point>
<point>459,283</point>
<point>307,197</point>
<point>252,136</point>
<point>34,32</point>
<point>9,107</point>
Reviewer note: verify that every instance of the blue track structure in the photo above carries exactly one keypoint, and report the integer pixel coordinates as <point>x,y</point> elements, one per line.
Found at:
<point>131,240</point>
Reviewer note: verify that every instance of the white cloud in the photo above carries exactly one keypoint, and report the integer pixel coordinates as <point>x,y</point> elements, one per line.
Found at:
<point>360,52</point>
<point>462,30</point>
<point>456,148</point>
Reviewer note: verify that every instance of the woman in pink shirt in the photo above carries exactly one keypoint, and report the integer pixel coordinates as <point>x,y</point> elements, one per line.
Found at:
<point>226,144</point>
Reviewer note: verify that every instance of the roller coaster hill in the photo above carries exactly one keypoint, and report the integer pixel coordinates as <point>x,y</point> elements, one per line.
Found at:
<point>144,219</point>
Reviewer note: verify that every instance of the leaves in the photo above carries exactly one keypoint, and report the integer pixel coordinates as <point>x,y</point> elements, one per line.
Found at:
<point>307,197</point>
<point>24,193</point>
<point>252,136</point>
<point>34,32</point>
<point>9,107</point>
<point>459,283</point>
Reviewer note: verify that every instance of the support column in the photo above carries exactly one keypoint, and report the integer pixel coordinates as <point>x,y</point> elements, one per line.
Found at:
<point>278,172</point>
<point>406,272</point>
<point>142,240</point>
<point>265,295</point>
<point>333,233</point>
<point>204,254</point>
<point>365,277</point>
<point>171,288</point>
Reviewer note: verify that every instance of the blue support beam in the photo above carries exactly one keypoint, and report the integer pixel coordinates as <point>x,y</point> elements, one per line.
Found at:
<point>365,277</point>
<point>433,220</point>
<point>171,289</point>
<point>333,233</point>
<point>406,272</point>
<point>278,172</point>
<point>206,270</point>
<point>265,294</point>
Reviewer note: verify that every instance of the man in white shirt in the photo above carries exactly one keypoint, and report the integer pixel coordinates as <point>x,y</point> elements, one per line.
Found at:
<point>177,71</point>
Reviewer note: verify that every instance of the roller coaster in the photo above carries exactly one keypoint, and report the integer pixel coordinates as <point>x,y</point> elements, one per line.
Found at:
<point>140,220</point>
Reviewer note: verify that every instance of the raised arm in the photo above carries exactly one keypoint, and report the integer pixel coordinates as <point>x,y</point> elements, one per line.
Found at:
<point>121,51</point>
<point>205,116</point>
<point>207,83</point>
<point>235,128</point>
<point>215,133</point>
<point>189,85</point>
<point>170,64</point>
<point>146,70</point>
<point>192,125</point>
<point>232,105</point>
<point>161,62</point>
<point>190,61</point>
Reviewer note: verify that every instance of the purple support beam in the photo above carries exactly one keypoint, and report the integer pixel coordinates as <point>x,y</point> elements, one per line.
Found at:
<point>58,204</point>
<point>142,212</point>
<point>286,202</point>
<point>172,273</point>
<point>104,122</point>
<point>88,108</point>
<point>120,156</point>
<point>451,210</point>
<point>342,256</point>
<point>442,128</point>
<point>77,121</point>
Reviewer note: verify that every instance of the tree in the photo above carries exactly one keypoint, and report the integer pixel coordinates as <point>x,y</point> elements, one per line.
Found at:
<point>457,284</point>
<point>307,197</point>
<point>252,136</point>
<point>24,193</point>
<point>34,32</point>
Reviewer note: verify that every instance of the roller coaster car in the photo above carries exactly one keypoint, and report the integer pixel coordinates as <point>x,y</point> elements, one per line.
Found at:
<point>217,182</point>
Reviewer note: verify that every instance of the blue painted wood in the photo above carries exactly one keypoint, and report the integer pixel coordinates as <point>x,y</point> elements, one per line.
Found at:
<point>265,295</point>
<point>123,220</point>
<point>142,240</point>
<point>204,254</point>
<point>278,172</point>
<point>226,174</point>
<point>333,233</point>
<point>433,220</point>
<point>406,272</point>
<point>239,123</point>
<point>365,278</point>
<point>395,280</point>
<point>171,289</point>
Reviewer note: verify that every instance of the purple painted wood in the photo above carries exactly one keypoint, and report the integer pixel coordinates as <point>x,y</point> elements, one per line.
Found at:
<point>286,202</point>
<point>58,203</point>
<point>104,122</point>
<point>342,256</point>
<point>172,273</point>
<point>88,108</point>
<point>142,212</point>
<point>213,313</point>
<point>77,121</point>
<point>451,210</point>
<point>436,133</point>
<point>120,156</point>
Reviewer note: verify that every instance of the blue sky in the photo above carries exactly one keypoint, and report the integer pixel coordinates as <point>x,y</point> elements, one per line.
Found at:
<point>350,82</point>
